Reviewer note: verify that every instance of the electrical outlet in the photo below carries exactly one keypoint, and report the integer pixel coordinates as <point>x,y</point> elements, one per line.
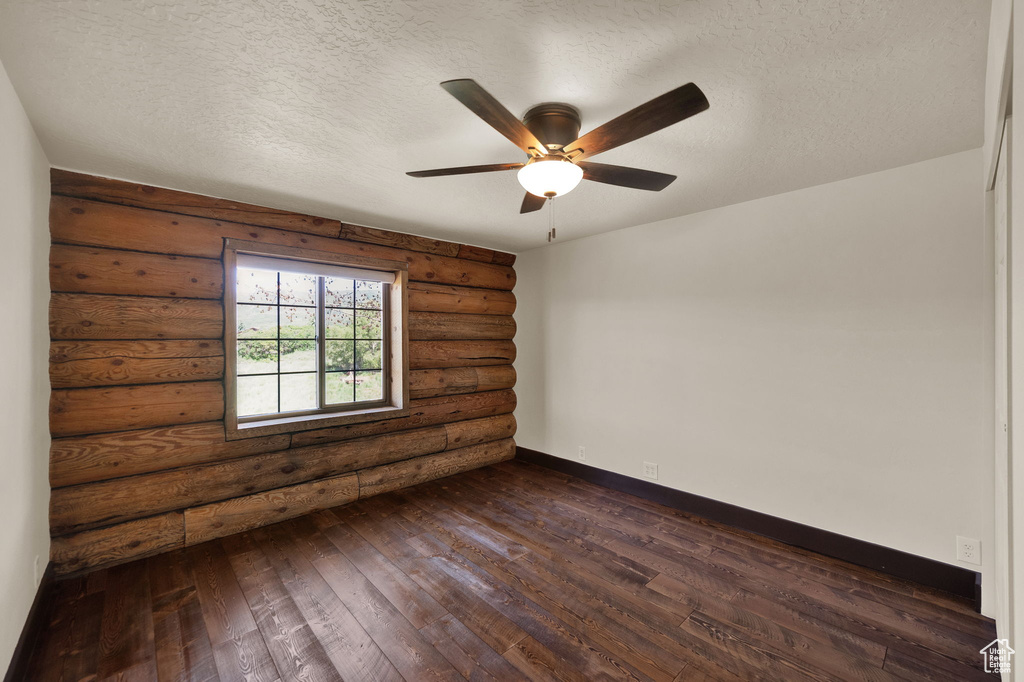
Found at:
<point>651,470</point>
<point>968,549</point>
<point>582,454</point>
<point>36,577</point>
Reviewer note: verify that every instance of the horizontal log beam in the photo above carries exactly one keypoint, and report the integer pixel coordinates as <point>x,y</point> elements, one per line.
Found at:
<point>399,240</point>
<point>117,544</point>
<point>93,223</point>
<point>106,502</point>
<point>427,383</point>
<point>445,298</point>
<point>425,412</point>
<point>145,196</point>
<point>109,317</point>
<point>486,255</point>
<point>477,431</point>
<point>91,316</point>
<point>139,538</point>
<point>411,242</point>
<point>80,411</point>
<point>83,186</point>
<point>455,326</point>
<point>80,364</point>
<point>123,371</point>
<point>262,509</point>
<point>387,478</point>
<point>475,253</point>
<point>89,223</point>
<point>90,505</point>
<point>424,355</point>
<point>448,354</point>
<point>86,459</point>
<point>89,270</point>
<point>72,351</point>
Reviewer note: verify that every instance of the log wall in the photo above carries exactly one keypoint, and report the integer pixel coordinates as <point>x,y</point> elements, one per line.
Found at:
<point>139,464</point>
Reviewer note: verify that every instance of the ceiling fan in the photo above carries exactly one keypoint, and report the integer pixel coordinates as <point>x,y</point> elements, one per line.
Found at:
<point>549,134</point>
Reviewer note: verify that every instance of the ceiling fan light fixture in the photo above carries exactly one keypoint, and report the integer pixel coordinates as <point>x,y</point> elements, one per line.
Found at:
<point>550,176</point>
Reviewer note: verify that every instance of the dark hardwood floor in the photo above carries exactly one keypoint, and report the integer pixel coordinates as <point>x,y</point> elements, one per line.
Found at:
<point>509,572</point>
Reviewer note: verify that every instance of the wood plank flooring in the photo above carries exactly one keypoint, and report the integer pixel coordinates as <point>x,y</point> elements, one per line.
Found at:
<point>511,572</point>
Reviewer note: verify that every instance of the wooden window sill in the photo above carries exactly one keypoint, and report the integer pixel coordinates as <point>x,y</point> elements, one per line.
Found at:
<point>277,425</point>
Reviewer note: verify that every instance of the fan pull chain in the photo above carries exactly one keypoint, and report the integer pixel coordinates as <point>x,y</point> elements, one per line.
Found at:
<point>551,219</point>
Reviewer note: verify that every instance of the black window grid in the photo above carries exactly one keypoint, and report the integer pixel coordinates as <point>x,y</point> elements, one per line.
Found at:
<point>321,371</point>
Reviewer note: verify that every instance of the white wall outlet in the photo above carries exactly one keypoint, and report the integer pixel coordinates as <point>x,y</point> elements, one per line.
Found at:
<point>582,454</point>
<point>968,549</point>
<point>651,470</point>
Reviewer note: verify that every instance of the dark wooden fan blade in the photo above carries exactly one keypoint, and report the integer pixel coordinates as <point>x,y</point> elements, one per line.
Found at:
<point>481,103</point>
<point>463,170</point>
<point>660,112</point>
<point>622,176</point>
<point>532,203</point>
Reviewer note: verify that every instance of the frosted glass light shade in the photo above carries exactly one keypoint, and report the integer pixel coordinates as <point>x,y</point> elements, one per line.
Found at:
<point>549,176</point>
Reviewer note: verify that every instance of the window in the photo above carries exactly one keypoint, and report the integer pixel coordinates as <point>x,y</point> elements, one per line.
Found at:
<point>311,339</point>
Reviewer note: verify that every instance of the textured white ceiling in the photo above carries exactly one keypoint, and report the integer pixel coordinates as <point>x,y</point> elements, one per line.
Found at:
<point>321,106</point>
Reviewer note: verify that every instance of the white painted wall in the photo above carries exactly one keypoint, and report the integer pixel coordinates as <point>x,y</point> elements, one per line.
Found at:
<point>24,487</point>
<point>822,355</point>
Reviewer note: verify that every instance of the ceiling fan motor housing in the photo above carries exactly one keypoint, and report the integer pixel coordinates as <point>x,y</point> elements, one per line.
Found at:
<point>553,123</point>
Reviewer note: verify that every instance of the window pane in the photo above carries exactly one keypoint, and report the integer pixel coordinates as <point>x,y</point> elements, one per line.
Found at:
<point>339,292</point>
<point>368,386</point>
<point>257,357</point>
<point>368,294</point>
<point>298,356</point>
<point>256,286</point>
<point>298,392</point>
<point>298,323</point>
<point>283,365</point>
<point>298,289</point>
<point>257,395</point>
<point>339,355</point>
<point>368,355</point>
<point>339,324</point>
<point>339,388</point>
<point>368,324</point>
<point>256,321</point>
